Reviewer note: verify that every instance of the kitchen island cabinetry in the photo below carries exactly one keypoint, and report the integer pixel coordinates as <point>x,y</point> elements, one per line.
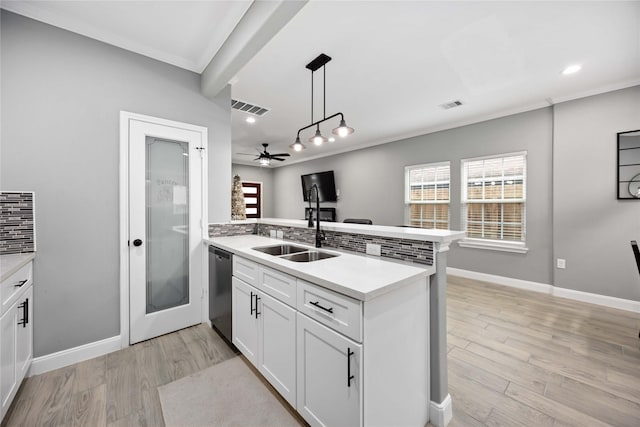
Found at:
<point>337,359</point>
<point>16,329</point>
<point>329,376</point>
<point>264,331</point>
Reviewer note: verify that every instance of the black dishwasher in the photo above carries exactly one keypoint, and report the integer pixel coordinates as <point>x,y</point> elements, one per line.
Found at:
<point>220,290</point>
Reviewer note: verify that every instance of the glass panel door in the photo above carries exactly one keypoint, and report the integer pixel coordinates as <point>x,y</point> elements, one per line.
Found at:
<point>167,224</point>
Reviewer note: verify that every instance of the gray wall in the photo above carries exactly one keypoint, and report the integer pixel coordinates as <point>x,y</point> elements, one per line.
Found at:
<point>592,229</point>
<point>371,184</point>
<point>61,98</point>
<point>258,174</point>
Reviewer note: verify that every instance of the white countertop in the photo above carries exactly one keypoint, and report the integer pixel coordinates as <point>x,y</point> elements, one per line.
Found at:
<point>362,277</point>
<point>409,233</point>
<point>11,263</point>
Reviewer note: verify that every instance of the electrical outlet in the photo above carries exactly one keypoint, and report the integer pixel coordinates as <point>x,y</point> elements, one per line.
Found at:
<point>280,234</point>
<point>373,249</point>
<point>272,234</point>
<point>562,263</point>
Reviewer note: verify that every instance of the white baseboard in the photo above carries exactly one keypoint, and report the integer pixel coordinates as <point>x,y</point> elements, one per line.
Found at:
<point>604,300</point>
<point>70,356</point>
<point>440,414</point>
<point>607,301</point>
<point>501,280</point>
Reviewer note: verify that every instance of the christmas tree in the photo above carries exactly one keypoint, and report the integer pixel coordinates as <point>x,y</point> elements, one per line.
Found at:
<point>238,208</point>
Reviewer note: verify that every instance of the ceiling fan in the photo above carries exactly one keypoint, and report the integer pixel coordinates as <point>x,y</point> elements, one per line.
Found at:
<point>264,157</point>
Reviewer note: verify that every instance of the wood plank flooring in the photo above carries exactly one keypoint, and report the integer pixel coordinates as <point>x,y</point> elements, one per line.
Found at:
<point>519,358</point>
<point>516,358</point>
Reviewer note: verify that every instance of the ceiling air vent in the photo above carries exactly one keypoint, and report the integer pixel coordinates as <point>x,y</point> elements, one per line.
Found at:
<point>452,104</point>
<point>248,108</point>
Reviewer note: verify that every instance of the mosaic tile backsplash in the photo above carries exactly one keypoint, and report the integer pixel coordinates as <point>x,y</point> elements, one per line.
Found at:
<point>405,250</point>
<point>223,230</point>
<point>16,222</point>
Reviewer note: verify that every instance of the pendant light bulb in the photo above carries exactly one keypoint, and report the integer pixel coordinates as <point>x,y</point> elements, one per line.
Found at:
<point>343,130</point>
<point>297,146</point>
<point>264,161</point>
<point>318,139</point>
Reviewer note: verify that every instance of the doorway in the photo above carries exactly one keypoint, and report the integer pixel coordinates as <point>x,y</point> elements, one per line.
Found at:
<point>162,213</point>
<point>252,198</point>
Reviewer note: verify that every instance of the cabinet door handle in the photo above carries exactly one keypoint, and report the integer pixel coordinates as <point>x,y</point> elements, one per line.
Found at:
<point>253,309</point>
<point>349,376</point>
<point>25,316</point>
<point>20,283</point>
<point>257,312</point>
<point>25,313</point>
<point>317,304</point>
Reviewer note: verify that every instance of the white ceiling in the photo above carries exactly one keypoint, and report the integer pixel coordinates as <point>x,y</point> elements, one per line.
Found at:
<point>182,33</point>
<point>393,62</point>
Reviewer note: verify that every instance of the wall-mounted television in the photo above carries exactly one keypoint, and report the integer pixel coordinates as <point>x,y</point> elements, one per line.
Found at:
<point>326,186</point>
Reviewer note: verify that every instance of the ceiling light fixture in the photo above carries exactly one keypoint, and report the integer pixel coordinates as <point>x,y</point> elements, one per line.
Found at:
<point>297,146</point>
<point>571,69</point>
<point>250,119</point>
<point>264,161</point>
<point>342,130</point>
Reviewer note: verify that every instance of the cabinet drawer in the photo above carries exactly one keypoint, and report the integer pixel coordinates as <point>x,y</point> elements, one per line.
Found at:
<point>339,312</point>
<point>279,285</point>
<point>11,287</point>
<point>247,271</point>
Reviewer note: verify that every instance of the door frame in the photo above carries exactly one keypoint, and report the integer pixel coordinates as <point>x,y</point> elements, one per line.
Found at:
<point>261,198</point>
<point>125,118</point>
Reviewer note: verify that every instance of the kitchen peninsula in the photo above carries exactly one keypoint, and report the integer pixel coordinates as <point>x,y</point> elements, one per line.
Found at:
<point>380,318</point>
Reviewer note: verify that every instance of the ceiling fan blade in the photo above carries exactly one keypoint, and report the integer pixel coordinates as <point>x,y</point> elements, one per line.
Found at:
<point>278,159</point>
<point>281,155</point>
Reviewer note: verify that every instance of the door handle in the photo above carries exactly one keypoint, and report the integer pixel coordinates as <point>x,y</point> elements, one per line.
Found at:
<point>20,283</point>
<point>251,302</point>
<point>137,242</point>
<point>257,312</point>
<point>349,376</point>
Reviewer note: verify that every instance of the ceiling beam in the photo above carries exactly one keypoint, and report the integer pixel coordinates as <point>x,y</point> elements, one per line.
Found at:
<point>258,25</point>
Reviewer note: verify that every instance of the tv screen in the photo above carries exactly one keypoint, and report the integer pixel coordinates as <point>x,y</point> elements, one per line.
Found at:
<point>326,186</point>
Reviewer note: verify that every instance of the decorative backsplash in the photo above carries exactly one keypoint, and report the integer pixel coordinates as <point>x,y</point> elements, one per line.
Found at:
<point>405,250</point>
<point>17,229</point>
<point>222,230</point>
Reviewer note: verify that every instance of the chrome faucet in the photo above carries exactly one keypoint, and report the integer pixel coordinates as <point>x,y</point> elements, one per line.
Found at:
<point>319,234</point>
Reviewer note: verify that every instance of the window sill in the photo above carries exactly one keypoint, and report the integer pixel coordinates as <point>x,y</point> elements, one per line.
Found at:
<point>494,245</point>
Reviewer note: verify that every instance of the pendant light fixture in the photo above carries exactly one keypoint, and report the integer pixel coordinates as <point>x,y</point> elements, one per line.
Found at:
<point>342,130</point>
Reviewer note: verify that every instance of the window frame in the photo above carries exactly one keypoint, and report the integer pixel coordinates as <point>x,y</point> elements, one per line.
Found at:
<point>485,243</point>
<point>407,193</point>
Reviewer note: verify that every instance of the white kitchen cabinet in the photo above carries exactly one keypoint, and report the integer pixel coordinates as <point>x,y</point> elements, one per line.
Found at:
<point>329,376</point>
<point>16,346</point>
<point>244,319</point>
<point>264,330</point>
<point>277,346</point>
<point>24,335</point>
<point>338,360</point>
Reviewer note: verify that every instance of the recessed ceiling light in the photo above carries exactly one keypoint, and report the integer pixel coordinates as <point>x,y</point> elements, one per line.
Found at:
<point>332,139</point>
<point>572,69</point>
<point>250,119</point>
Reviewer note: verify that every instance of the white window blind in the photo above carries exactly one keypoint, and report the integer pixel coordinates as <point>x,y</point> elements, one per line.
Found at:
<point>427,195</point>
<point>494,197</point>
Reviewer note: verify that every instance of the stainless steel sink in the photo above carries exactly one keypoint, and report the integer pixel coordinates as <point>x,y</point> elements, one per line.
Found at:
<point>309,256</point>
<point>278,250</point>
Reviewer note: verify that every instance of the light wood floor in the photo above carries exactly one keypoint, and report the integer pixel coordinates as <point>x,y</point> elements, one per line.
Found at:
<point>516,358</point>
<point>519,358</point>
